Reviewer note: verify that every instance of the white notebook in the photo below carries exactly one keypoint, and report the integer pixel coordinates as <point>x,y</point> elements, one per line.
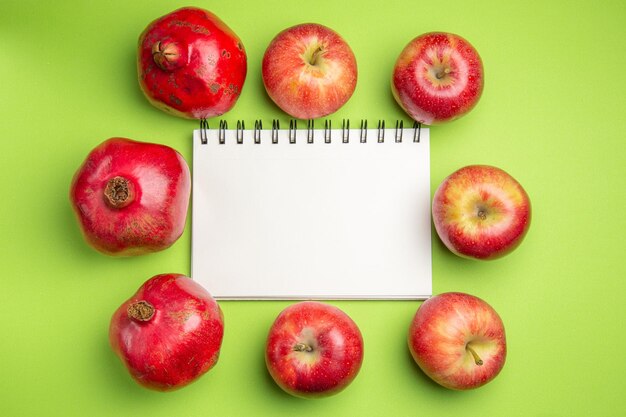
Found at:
<point>312,213</point>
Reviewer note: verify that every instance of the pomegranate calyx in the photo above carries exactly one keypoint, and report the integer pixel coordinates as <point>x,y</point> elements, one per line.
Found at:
<point>168,55</point>
<point>119,192</point>
<point>141,311</point>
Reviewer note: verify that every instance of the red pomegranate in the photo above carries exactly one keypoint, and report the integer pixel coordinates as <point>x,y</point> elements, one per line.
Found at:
<point>131,198</point>
<point>169,333</point>
<point>191,64</point>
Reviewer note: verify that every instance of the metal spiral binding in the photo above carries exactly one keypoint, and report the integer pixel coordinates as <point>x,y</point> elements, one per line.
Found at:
<point>258,126</point>
<point>293,128</point>
<point>345,131</point>
<point>417,130</point>
<point>327,131</point>
<point>363,131</point>
<point>310,127</point>
<point>275,129</point>
<point>222,131</point>
<point>239,132</point>
<point>204,131</point>
<point>381,131</point>
<point>310,131</point>
<point>399,130</point>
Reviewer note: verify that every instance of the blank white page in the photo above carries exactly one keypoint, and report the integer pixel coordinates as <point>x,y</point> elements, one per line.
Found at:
<point>312,220</point>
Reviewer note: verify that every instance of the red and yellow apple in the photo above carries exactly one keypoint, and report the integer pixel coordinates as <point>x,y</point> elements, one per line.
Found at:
<point>313,350</point>
<point>437,78</point>
<point>481,212</point>
<point>309,71</point>
<point>458,340</point>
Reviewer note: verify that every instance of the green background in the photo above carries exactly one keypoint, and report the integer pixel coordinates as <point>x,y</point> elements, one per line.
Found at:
<point>552,115</point>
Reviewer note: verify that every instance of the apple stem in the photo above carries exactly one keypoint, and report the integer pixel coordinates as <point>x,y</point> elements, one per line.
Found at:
<point>482,215</point>
<point>315,55</point>
<point>119,192</point>
<point>140,311</point>
<point>442,73</point>
<point>302,347</point>
<point>477,359</point>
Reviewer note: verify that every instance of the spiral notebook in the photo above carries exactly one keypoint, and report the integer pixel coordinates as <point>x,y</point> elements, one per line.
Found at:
<point>308,213</point>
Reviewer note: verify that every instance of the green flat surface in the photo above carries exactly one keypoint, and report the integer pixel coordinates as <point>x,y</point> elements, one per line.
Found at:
<point>552,114</point>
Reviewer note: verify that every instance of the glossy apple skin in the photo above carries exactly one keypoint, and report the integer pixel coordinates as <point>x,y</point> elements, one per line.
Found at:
<point>437,78</point>
<point>336,351</point>
<point>444,326</point>
<point>191,64</point>
<point>481,212</point>
<point>179,343</point>
<point>303,89</point>
<point>154,215</point>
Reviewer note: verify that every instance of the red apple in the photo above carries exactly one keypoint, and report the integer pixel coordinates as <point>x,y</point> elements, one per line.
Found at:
<point>131,198</point>
<point>313,350</point>
<point>191,64</point>
<point>169,333</point>
<point>438,77</point>
<point>481,212</point>
<point>309,71</point>
<point>458,340</point>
